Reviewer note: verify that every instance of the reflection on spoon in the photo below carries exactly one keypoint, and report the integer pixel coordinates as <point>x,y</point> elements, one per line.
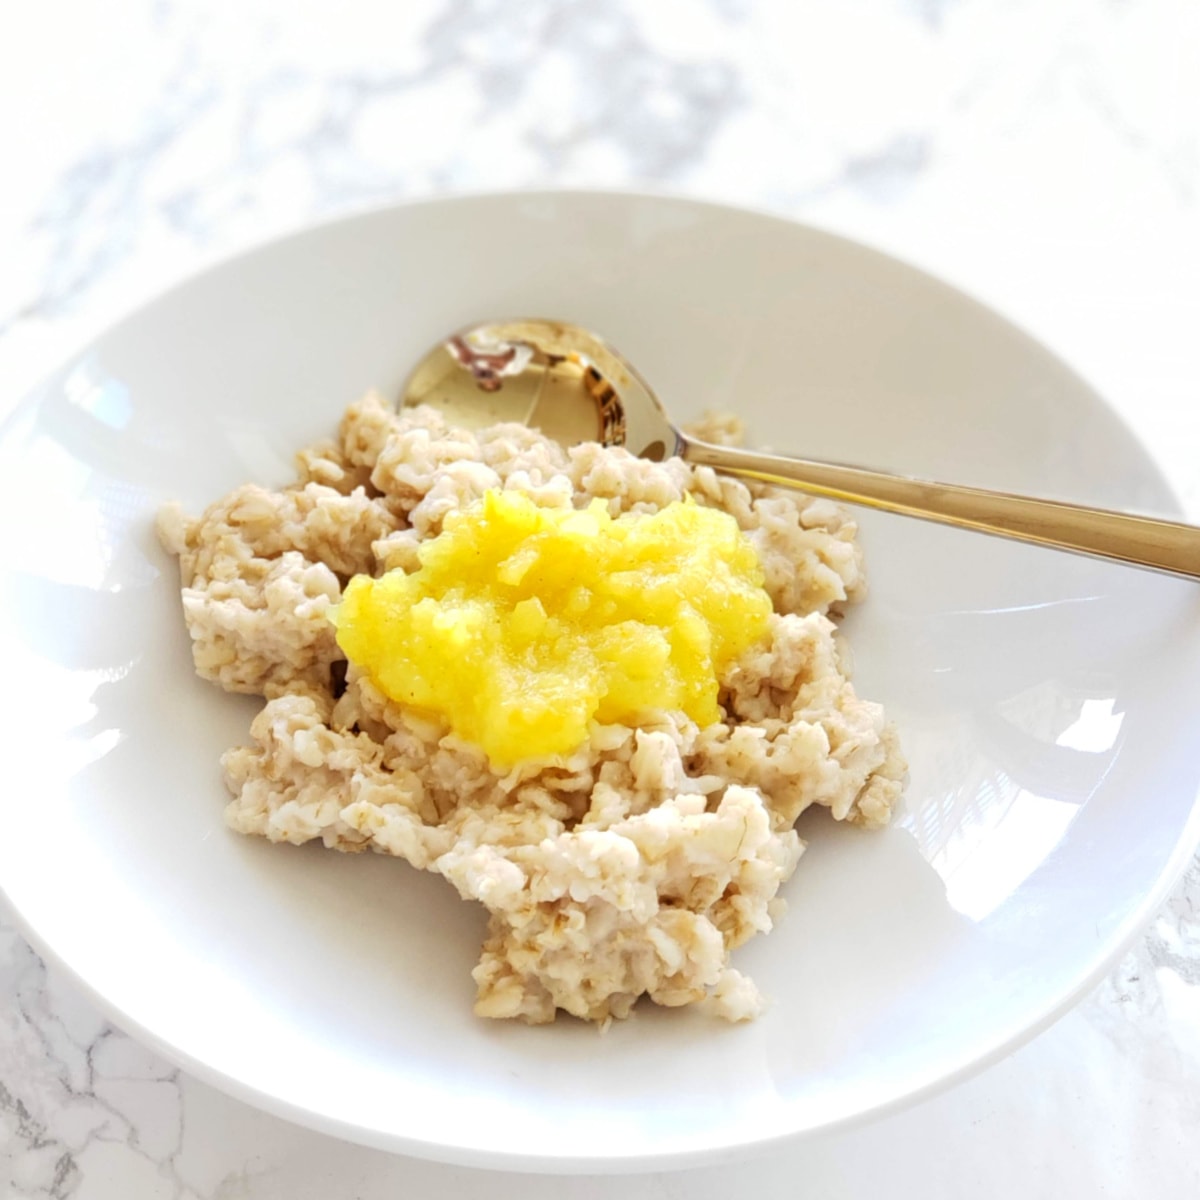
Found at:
<point>574,387</point>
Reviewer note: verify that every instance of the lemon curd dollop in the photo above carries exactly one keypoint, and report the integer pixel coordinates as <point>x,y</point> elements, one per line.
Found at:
<point>524,623</point>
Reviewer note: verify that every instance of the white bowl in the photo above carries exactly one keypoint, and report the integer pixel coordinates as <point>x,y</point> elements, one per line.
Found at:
<point>1048,703</point>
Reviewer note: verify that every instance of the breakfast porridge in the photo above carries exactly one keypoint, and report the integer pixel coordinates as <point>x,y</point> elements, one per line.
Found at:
<point>627,859</point>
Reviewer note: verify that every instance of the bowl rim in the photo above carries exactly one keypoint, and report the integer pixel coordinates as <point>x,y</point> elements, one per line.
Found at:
<point>1003,1043</point>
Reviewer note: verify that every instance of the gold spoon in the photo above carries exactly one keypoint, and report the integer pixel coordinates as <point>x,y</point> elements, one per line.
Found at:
<point>574,387</point>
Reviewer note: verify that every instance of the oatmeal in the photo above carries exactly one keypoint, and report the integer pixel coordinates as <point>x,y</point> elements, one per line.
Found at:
<point>629,865</point>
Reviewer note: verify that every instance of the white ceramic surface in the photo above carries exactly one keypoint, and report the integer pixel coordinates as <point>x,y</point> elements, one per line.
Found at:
<point>1046,702</point>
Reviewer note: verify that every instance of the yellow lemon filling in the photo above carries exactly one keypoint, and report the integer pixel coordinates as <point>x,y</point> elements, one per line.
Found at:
<point>523,624</point>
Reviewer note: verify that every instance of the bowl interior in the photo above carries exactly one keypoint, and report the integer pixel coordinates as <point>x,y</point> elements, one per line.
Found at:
<point>1047,703</point>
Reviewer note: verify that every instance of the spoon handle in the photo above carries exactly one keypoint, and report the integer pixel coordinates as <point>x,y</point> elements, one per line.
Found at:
<point>1168,546</point>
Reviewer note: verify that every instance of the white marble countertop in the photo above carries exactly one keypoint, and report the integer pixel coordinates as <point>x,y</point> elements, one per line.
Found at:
<point>1043,154</point>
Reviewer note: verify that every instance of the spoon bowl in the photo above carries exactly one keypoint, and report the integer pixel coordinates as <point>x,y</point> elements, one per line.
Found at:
<point>573,386</point>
